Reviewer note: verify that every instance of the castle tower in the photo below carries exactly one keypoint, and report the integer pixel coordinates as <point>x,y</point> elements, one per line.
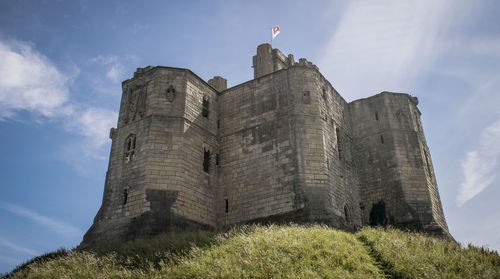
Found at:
<point>161,174</point>
<point>219,83</point>
<point>268,60</point>
<point>397,181</point>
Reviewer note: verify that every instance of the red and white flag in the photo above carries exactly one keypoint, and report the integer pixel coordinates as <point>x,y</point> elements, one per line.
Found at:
<point>275,31</point>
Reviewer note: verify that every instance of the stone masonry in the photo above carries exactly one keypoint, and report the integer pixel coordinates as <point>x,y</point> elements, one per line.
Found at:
<point>283,147</point>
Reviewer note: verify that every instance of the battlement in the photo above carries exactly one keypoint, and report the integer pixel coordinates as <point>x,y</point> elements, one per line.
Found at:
<point>285,146</point>
<point>218,83</point>
<point>269,60</point>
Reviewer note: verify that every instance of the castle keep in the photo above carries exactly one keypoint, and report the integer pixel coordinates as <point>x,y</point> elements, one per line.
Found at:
<point>285,146</point>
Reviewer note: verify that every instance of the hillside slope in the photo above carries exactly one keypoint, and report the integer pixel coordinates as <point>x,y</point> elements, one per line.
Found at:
<point>273,252</point>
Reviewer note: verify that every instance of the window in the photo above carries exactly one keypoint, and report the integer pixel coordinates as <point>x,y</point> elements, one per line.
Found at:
<point>217,159</point>
<point>204,110</point>
<point>376,116</point>
<point>125,196</point>
<point>381,139</point>
<point>130,144</point>
<point>347,213</point>
<point>218,124</point>
<point>339,146</point>
<point>227,205</point>
<point>306,97</point>
<point>206,160</point>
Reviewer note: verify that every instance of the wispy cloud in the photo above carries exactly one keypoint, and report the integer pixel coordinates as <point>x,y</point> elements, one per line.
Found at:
<point>47,222</point>
<point>384,45</point>
<point>5,243</point>
<point>104,59</point>
<point>115,71</point>
<point>480,165</point>
<point>94,125</point>
<point>29,81</point>
<point>138,27</point>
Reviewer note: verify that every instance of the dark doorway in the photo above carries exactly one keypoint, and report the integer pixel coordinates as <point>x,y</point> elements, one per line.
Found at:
<point>377,214</point>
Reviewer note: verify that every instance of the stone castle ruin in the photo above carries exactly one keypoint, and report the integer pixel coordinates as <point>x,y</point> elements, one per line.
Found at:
<point>283,147</point>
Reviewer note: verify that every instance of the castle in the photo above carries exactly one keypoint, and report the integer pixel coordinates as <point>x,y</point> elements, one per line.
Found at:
<point>189,154</point>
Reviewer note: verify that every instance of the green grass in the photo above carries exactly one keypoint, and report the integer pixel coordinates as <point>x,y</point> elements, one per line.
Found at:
<point>153,252</point>
<point>411,255</point>
<point>279,252</point>
<point>272,252</point>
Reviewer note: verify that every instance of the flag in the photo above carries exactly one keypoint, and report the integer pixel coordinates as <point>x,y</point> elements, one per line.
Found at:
<point>275,31</point>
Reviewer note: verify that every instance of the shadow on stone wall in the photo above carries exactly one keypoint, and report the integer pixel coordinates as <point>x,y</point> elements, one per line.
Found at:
<point>160,218</point>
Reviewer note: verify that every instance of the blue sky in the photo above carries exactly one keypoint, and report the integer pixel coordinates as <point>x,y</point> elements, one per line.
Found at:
<point>62,63</point>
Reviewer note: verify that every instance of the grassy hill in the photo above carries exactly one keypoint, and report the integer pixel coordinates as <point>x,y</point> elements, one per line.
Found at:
<point>272,252</point>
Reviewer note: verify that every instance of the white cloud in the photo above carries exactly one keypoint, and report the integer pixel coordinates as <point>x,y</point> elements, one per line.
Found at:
<point>383,45</point>
<point>480,165</point>
<point>94,125</point>
<point>104,59</point>
<point>115,71</point>
<point>29,81</point>
<point>4,242</point>
<point>48,222</point>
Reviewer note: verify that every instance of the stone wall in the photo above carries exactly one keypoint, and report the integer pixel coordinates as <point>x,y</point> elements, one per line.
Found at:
<point>392,166</point>
<point>326,173</point>
<point>257,165</point>
<point>160,185</point>
<point>285,146</point>
<point>268,60</point>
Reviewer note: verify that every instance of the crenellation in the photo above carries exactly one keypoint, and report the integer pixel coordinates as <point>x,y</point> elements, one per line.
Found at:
<point>188,154</point>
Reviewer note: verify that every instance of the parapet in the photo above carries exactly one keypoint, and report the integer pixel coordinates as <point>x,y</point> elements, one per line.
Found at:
<point>140,71</point>
<point>268,60</point>
<point>218,82</point>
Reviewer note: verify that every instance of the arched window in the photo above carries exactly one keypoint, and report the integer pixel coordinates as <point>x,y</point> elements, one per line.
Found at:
<point>206,160</point>
<point>347,213</point>
<point>130,144</point>
<point>125,196</point>
<point>204,110</point>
